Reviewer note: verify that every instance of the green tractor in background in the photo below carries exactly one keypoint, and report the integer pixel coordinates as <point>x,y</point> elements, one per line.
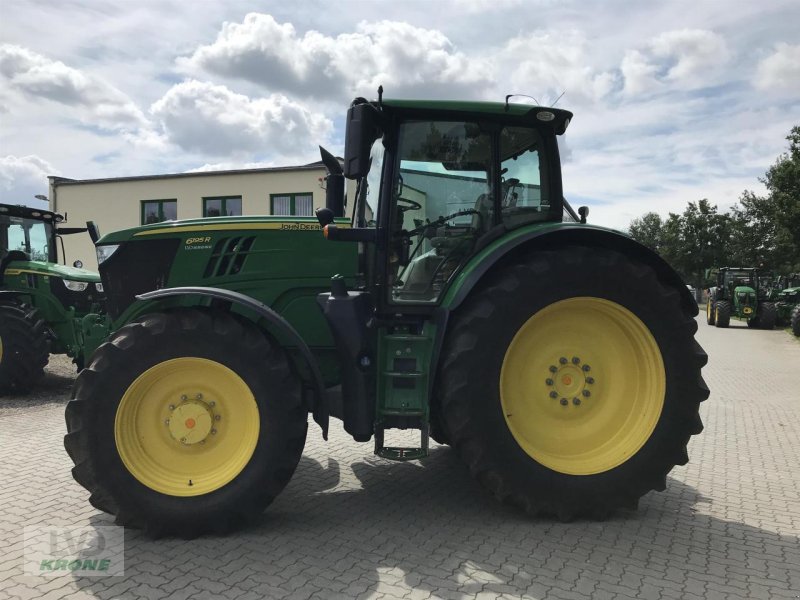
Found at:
<point>739,294</point>
<point>788,301</point>
<point>45,307</point>
<point>464,300</point>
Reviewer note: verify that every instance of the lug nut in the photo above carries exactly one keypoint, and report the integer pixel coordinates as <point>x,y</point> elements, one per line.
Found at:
<point>199,396</point>
<point>575,360</point>
<point>586,393</point>
<point>217,417</point>
<point>213,431</point>
<point>548,381</point>
<point>553,368</point>
<point>554,394</point>
<point>184,398</point>
<point>212,403</point>
<point>587,368</point>
<point>172,407</point>
<point>183,440</point>
<point>576,401</point>
<point>562,360</point>
<point>564,402</point>
<point>166,421</point>
<point>590,380</point>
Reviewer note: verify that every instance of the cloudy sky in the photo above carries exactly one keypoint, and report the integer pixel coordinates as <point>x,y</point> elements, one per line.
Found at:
<point>673,101</point>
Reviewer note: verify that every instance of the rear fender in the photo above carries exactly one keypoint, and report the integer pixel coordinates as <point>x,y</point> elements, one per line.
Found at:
<point>551,237</point>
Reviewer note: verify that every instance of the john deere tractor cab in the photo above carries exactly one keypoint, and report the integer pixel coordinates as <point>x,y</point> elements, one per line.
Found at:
<point>464,300</point>
<point>45,307</point>
<point>740,292</point>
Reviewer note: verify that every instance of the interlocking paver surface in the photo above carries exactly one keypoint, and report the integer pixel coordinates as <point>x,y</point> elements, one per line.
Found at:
<point>351,525</point>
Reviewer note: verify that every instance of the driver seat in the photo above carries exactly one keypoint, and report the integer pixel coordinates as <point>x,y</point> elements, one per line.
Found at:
<point>482,222</point>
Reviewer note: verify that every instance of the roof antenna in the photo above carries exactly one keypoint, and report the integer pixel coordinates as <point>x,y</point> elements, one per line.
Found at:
<point>557,99</point>
<point>523,95</point>
<point>380,96</point>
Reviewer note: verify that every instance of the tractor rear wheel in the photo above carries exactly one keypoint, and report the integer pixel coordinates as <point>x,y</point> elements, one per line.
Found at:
<point>186,422</point>
<point>572,382</point>
<point>24,347</point>
<point>795,320</point>
<point>710,312</point>
<point>722,313</point>
<point>767,315</point>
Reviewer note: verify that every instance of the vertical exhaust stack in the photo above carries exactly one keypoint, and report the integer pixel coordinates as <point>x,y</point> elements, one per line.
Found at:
<point>334,188</point>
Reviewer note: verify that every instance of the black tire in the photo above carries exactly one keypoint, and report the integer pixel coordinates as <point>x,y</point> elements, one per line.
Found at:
<point>723,313</point>
<point>795,320</point>
<point>25,348</point>
<point>767,315</point>
<point>475,348</point>
<point>710,312</point>
<point>158,337</point>
<point>754,323</point>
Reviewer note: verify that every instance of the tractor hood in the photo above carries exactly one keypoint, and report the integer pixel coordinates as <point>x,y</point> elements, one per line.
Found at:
<point>214,224</point>
<point>51,270</point>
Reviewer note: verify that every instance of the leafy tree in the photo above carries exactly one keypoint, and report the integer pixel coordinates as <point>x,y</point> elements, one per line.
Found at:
<point>648,230</point>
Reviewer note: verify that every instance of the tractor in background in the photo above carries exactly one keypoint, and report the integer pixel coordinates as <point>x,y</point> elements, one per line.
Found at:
<point>788,301</point>
<point>45,307</point>
<point>739,294</point>
<point>463,299</point>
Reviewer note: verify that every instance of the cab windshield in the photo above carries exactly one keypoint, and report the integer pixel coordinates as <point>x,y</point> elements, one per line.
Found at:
<point>26,235</point>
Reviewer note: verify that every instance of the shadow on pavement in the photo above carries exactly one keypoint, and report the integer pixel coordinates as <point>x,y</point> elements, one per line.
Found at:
<point>374,527</point>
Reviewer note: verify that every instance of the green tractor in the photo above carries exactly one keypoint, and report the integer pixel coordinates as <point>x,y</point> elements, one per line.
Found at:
<point>464,300</point>
<point>788,301</point>
<point>45,307</point>
<point>739,294</point>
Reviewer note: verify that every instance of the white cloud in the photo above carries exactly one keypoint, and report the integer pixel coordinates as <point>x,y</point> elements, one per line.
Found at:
<point>23,177</point>
<point>95,101</point>
<point>682,58</point>
<point>213,120</point>
<point>405,59</point>
<point>781,70</point>
<point>547,63</point>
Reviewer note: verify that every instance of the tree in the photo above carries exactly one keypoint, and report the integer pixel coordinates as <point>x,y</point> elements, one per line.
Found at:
<point>647,230</point>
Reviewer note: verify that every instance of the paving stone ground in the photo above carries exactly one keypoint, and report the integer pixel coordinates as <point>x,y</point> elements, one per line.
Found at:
<point>351,525</point>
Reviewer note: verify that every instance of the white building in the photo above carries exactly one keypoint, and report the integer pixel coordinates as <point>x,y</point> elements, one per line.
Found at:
<point>123,202</point>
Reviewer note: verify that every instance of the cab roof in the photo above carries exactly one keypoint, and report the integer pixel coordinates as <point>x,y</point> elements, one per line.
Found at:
<point>557,118</point>
<point>27,212</point>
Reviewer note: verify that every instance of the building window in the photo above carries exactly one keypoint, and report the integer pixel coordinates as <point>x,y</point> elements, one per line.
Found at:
<point>154,211</point>
<point>222,206</point>
<point>292,205</point>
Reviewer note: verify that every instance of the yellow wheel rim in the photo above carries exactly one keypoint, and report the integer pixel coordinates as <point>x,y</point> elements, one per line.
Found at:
<point>582,385</point>
<point>708,311</point>
<point>186,426</point>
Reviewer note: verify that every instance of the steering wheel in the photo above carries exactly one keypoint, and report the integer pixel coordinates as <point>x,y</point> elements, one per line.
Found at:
<point>408,205</point>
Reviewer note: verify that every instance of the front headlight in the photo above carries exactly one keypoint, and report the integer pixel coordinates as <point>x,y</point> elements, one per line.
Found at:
<point>75,286</point>
<point>99,287</point>
<point>105,252</point>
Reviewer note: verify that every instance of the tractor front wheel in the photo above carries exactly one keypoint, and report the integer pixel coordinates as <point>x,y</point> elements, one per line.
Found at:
<point>572,382</point>
<point>722,313</point>
<point>186,422</point>
<point>767,315</point>
<point>795,320</point>
<point>24,347</point>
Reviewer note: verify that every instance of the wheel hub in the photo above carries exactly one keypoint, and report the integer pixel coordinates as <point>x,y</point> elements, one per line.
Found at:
<point>569,381</point>
<point>191,422</point>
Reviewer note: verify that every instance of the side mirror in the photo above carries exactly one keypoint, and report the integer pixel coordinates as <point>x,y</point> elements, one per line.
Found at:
<point>583,211</point>
<point>334,185</point>
<point>363,128</point>
<point>94,231</point>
